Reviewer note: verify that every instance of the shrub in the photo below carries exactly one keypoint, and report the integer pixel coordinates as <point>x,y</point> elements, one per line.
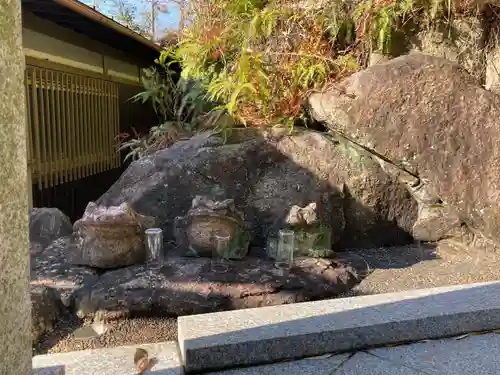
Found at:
<point>180,106</point>
<point>258,60</point>
<point>262,58</point>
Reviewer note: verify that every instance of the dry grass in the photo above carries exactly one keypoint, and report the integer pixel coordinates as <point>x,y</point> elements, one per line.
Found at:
<point>262,58</point>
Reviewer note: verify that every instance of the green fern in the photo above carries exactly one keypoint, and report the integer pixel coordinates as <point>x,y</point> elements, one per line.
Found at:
<point>181,106</point>
<point>260,58</point>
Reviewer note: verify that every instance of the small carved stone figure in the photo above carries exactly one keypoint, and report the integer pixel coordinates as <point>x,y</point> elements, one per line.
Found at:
<point>109,237</point>
<point>311,237</point>
<point>299,216</point>
<point>196,230</point>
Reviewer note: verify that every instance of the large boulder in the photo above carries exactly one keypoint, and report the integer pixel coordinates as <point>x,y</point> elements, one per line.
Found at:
<point>430,124</point>
<point>51,268</point>
<point>47,225</point>
<point>267,173</point>
<point>185,286</point>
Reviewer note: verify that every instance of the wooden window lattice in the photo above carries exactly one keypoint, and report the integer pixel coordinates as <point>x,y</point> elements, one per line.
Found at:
<point>73,121</point>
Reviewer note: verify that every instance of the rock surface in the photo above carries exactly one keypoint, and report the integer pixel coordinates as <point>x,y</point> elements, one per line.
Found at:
<point>492,57</point>
<point>267,174</point>
<point>47,225</point>
<point>461,40</point>
<point>186,286</point>
<point>435,128</point>
<point>46,309</point>
<point>51,268</point>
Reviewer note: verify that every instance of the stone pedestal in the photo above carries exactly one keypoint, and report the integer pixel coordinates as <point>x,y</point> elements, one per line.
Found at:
<point>15,321</point>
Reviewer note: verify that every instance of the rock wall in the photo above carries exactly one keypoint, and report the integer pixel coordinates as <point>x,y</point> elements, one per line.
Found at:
<point>434,128</point>
<point>473,41</point>
<point>462,41</point>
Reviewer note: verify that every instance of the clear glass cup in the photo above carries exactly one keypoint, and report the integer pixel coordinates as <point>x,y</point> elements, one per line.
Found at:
<point>220,257</point>
<point>154,245</point>
<point>271,247</point>
<point>286,247</point>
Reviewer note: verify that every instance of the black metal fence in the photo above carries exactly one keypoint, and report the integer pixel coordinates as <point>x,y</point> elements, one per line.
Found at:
<point>72,197</point>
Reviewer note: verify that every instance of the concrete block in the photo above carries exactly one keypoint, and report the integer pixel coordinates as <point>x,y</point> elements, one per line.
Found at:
<point>366,364</point>
<point>265,335</point>
<point>472,355</point>
<point>52,370</point>
<point>323,365</point>
<point>113,361</point>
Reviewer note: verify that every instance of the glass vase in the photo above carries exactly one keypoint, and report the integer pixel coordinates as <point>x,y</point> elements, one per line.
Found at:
<point>220,257</point>
<point>154,245</point>
<point>286,247</point>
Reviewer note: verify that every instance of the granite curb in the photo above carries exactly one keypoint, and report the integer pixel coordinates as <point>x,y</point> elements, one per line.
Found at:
<point>271,334</point>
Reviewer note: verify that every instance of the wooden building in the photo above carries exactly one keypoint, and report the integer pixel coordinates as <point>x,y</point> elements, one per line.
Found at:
<point>82,68</point>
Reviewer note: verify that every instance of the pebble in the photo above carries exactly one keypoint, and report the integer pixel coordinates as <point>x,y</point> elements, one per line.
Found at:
<point>132,331</point>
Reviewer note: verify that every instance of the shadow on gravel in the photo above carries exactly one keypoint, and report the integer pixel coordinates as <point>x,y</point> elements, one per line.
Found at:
<point>366,261</point>
<point>63,328</point>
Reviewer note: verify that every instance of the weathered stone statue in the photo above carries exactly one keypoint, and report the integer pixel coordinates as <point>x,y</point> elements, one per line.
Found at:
<point>312,238</point>
<point>196,231</point>
<point>109,237</point>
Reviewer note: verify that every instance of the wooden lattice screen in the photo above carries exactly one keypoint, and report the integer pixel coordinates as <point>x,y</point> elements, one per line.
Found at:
<point>73,121</point>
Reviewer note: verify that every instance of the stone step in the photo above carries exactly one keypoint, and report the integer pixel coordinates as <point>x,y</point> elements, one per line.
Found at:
<point>113,361</point>
<point>469,355</point>
<point>265,335</point>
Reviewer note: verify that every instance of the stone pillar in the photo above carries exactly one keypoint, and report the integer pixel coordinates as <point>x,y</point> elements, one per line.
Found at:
<point>15,319</point>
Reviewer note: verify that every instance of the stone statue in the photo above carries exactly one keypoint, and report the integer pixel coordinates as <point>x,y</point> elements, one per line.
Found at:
<point>109,237</point>
<point>311,237</point>
<point>196,231</point>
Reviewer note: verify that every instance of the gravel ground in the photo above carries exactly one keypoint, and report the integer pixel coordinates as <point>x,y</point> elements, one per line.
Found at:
<point>388,270</point>
<point>123,332</point>
<point>417,267</point>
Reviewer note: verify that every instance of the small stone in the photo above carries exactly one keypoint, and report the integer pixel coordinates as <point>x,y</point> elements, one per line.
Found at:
<point>85,333</point>
<point>47,225</point>
<point>46,309</point>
